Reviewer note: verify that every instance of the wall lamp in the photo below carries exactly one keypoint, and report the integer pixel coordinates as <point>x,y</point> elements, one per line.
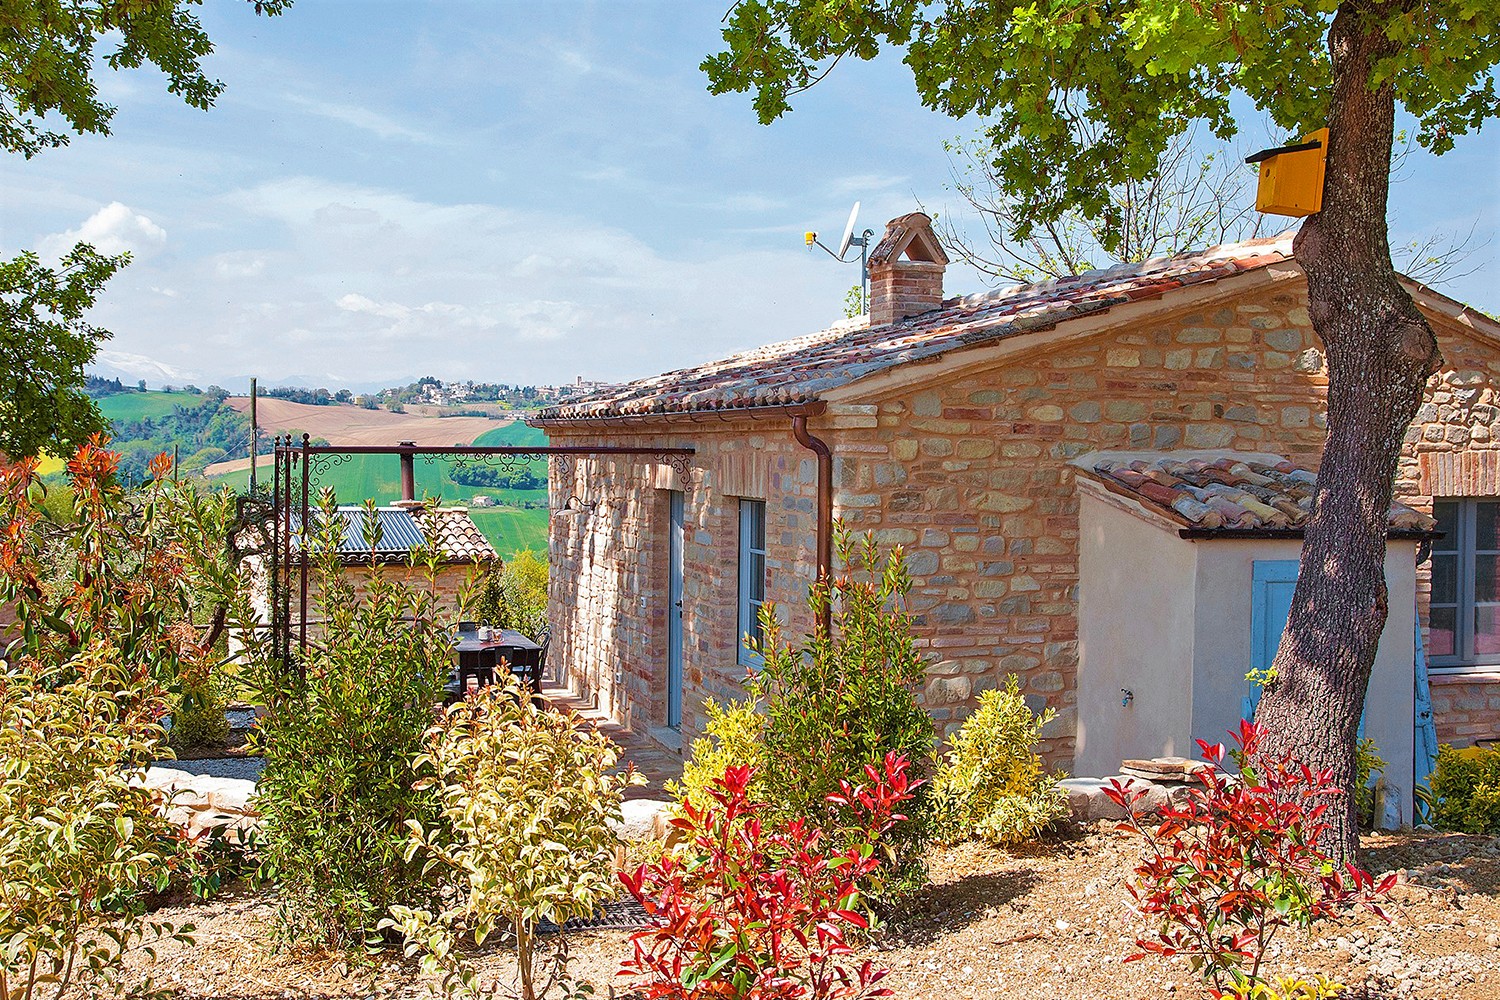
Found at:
<point>576,505</point>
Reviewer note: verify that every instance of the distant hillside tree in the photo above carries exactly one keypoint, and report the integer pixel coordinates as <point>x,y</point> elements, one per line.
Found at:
<point>44,346</point>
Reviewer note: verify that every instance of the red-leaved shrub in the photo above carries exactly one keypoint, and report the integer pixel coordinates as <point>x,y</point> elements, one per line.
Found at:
<point>1237,862</point>
<point>746,910</point>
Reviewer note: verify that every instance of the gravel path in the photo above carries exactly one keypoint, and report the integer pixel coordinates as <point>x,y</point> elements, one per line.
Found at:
<point>219,767</point>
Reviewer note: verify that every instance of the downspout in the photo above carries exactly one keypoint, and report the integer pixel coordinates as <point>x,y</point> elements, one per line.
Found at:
<point>825,502</point>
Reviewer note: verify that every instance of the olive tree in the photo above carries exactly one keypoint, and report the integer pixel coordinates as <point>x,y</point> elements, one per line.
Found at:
<point>1088,95</point>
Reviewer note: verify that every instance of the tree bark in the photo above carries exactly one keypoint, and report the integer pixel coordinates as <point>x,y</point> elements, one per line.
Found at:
<point>1380,354</point>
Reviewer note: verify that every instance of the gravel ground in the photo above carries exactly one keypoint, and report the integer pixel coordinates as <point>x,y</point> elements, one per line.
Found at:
<point>219,767</point>
<point>1045,922</point>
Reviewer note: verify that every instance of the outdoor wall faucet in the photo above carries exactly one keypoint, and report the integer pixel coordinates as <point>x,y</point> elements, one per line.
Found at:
<point>1126,697</point>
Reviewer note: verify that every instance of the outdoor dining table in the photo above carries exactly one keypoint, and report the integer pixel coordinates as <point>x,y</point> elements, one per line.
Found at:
<point>478,658</point>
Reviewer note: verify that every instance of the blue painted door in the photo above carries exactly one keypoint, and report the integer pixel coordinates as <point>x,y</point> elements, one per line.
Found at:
<point>1274,581</point>
<point>674,609</point>
<point>1271,605</point>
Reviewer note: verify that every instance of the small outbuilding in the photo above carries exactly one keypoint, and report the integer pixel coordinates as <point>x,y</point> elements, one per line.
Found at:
<point>1187,562</point>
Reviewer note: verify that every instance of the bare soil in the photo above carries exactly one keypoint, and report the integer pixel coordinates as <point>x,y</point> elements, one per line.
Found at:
<point>1042,922</point>
<point>347,424</point>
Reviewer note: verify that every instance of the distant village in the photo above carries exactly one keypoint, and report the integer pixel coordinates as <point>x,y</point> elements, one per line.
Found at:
<point>425,391</point>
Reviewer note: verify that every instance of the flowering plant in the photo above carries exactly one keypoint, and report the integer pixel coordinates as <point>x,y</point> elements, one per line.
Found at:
<point>754,911</point>
<point>1236,862</point>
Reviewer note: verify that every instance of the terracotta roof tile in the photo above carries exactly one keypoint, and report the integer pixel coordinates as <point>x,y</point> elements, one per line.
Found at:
<point>456,535</point>
<point>1229,492</point>
<point>800,370</point>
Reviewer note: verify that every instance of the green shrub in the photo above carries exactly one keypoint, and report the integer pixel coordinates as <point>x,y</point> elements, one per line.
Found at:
<point>846,698</point>
<point>991,784</point>
<point>339,737</point>
<point>732,737</point>
<point>1466,790</point>
<point>514,596</point>
<point>79,834</point>
<point>198,718</point>
<point>1367,765</point>
<point>531,804</point>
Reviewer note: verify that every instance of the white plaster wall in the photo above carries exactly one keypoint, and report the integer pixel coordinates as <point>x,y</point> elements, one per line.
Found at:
<point>1226,582</point>
<point>1225,576</point>
<point>1135,631</point>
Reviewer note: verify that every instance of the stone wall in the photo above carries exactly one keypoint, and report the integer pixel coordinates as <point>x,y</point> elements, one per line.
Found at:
<point>1453,450</point>
<point>970,475</point>
<point>1466,706</point>
<point>609,578</point>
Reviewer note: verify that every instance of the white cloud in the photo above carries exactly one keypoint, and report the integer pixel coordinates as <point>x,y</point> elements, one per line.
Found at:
<point>113,229</point>
<point>362,118</point>
<point>377,283</point>
<point>862,185</point>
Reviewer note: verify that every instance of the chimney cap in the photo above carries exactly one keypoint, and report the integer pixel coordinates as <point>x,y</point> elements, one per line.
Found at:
<point>910,234</point>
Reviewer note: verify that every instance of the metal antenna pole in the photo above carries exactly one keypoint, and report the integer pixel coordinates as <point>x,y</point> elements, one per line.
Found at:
<point>864,270</point>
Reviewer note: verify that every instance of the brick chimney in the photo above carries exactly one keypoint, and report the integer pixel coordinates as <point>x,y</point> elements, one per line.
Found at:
<point>906,270</point>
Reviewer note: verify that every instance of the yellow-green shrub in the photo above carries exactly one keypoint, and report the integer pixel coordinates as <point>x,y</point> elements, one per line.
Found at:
<point>1466,790</point>
<point>80,835</point>
<point>732,737</point>
<point>198,718</point>
<point>991,784</point>
<point>532,804</point>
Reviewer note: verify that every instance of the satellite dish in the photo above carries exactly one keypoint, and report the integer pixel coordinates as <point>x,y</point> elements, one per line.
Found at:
<point>848,231</point>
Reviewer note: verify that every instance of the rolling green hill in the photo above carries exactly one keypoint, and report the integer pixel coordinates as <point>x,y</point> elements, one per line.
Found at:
<point>129,407</point>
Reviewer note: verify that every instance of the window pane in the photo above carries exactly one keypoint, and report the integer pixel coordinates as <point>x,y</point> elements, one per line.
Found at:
<point>1440,638</point>
<point>1446,512</point>
<point>757,525</point>
<point>757,577</point>
<point>1486,525</point>
<point>1487,631</point>
<point>1445,579</point>
<point>1486,575</point>
<point>754,629</point>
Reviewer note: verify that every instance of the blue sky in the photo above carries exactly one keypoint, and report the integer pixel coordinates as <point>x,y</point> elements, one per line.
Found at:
<point>509,192</point>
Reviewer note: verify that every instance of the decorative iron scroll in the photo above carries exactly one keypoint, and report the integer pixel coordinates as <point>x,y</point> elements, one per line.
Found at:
<point>299,468</point>
<point>505,462</point>
<point>320,463</point>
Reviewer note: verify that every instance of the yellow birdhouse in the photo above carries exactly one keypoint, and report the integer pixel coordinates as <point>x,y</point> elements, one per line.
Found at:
<point>1291,177</point>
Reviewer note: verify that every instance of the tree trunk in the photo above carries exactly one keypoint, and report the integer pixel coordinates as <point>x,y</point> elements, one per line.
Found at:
<point>1380,353</point>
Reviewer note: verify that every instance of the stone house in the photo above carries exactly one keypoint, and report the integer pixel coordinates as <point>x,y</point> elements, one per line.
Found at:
<point>982,434</point>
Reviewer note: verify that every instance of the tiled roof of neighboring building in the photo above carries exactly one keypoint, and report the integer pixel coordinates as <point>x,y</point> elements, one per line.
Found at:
<point>797,371</point>
<point>402,528</point>
<point>1229,492</point>
<point>456,535</point>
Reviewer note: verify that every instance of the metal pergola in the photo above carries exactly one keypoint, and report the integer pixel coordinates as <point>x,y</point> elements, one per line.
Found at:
<point>298,470</point>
